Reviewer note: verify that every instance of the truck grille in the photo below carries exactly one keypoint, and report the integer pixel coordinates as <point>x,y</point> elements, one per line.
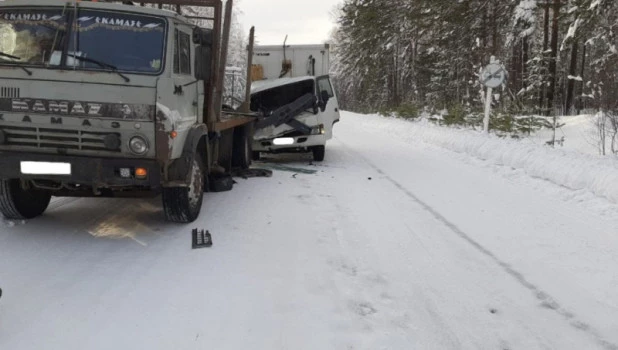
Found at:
<point>9,92</point>
<point>56,138</point>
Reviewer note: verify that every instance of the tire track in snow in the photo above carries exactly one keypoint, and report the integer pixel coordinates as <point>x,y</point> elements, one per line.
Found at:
<point>546,300</point>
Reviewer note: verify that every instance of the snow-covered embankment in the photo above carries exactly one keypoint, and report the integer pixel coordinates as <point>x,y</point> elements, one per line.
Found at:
<point>568,168</point>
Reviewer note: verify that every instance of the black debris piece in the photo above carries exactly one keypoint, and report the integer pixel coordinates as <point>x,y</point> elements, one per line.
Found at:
<point>221,183</point>
<point>251,173</point>
<point>201,239</point>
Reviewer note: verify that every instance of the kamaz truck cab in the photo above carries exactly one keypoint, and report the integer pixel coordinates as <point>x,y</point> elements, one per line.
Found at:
<point>109,99</point>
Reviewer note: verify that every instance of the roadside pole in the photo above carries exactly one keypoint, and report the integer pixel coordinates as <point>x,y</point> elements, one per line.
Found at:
<point>488,99</point>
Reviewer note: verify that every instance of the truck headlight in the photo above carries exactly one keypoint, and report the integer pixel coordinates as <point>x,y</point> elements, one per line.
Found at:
<point>138,145</point>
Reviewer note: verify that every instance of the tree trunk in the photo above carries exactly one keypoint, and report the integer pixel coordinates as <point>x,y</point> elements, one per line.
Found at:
<point>544,55</point>
<point>484,28</point>
<point>514,75</point>
<point>580,105</point>
<point>524,64</point>
<point>494,29</point>
<point>553,63</point>
<point>572,73</point>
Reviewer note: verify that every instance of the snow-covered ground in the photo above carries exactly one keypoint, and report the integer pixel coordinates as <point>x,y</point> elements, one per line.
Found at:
<point>579,132</point>
<point>394,242</point>
<point>573,166</point>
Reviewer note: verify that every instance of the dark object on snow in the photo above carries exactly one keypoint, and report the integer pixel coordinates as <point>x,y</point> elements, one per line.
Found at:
<point>0,292</point>
<point>369,179</point>
<point>251,173</point>
<point>201,239</point>
<point>221,184</point>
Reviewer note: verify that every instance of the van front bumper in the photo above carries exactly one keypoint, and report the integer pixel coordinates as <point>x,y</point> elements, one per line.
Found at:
<point>297,144</point>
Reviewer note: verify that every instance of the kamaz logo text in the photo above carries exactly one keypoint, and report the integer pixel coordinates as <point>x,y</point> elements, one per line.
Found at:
<point>57,107</point>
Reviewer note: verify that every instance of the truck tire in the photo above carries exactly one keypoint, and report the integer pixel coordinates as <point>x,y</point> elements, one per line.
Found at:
<point>318,153</point>
<point>242,152</point>
<point>256,155</point>
<point>183,204</point>
<point>18,203</point>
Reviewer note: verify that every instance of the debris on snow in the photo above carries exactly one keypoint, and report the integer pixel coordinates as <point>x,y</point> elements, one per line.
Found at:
<point>201,239</point>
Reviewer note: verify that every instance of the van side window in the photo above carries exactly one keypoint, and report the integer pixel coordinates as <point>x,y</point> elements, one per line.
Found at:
<point>182,52</point>
<point>324,85</point>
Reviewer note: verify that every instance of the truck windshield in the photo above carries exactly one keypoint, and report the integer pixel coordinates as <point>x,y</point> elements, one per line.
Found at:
<point>30,36</point>
<point>126,41</point>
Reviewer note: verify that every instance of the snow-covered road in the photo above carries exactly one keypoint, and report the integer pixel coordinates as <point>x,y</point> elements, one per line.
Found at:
<point>389,244</point>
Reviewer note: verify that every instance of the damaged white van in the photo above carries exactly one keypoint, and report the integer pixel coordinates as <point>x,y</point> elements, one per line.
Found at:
<point>298,115</point>
<point>294,95</point>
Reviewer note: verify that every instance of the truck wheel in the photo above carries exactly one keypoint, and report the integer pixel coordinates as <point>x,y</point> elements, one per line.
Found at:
<point>241,155</point>
<point>183,204</point>
<point>19,203</point>
<point>318,153</point>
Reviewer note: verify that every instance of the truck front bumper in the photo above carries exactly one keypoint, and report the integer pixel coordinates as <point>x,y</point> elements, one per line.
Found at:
<point>89,171</point>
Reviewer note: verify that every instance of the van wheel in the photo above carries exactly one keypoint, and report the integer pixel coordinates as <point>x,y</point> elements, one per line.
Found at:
<point>242,152</point>
<point>19,203</point>
<point>318,153</point>
<point>183,204</point>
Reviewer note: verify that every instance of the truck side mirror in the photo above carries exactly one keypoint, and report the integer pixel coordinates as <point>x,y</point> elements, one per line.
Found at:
<point>202,36</point>
<point>203,39</point>
<point>203,62</point>
<point>325,97</point>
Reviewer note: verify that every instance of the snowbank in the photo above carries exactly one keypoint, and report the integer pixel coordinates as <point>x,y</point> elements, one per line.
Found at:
<point>568,168</point>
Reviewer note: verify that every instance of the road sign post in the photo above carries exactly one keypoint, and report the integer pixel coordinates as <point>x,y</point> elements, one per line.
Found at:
<point>492,77</point>
<point>488,100</point>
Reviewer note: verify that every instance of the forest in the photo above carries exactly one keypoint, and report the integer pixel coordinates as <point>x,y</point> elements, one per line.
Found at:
<point>409,56</point>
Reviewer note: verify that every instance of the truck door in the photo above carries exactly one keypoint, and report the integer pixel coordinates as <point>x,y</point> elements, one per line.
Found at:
<point>179,92</point>
<point>185,87</point>
<point>331,111</point>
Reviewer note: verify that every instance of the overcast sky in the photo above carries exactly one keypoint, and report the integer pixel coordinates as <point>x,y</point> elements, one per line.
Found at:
<point>305,22</point>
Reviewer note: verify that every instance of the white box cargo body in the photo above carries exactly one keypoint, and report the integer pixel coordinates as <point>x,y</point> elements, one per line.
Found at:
<point>305,60</point>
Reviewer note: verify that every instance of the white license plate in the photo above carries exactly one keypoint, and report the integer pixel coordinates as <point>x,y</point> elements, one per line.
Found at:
<point>45,168</point>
